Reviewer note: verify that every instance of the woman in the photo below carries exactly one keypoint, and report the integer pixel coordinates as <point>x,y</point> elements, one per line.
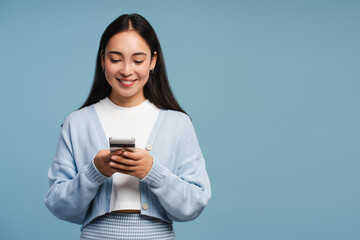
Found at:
<point>128,194</point>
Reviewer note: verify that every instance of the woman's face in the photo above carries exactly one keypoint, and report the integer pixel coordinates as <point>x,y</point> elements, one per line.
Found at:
<point>127,62</point>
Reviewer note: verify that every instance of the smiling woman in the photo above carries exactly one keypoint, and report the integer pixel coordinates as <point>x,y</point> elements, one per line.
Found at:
<point>157,89</point>
<point>128,194</point>
<point>127,63</point>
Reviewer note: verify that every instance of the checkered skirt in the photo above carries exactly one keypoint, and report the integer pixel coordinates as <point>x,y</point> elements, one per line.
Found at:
<point>117,225</point>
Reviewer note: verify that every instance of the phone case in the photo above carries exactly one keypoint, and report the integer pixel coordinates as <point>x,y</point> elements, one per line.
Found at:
<point>122,143</point>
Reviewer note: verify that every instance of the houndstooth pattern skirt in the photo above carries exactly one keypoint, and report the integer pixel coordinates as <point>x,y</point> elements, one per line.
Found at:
<point>117,225</point>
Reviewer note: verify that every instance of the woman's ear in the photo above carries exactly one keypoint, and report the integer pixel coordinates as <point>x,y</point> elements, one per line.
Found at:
<point>153,61</point>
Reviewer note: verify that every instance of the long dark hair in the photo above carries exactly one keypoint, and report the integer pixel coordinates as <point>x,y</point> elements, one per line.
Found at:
<point>157,88</point>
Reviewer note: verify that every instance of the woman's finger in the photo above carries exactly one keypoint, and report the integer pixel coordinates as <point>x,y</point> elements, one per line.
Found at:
<point>120,166</point>
<point>137,155</point>
<point>117,152</point>
<point>124,161</point>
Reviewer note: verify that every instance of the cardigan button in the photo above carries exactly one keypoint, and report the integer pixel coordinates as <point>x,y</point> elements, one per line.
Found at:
<point>148,147</point>
<point>145,206</point>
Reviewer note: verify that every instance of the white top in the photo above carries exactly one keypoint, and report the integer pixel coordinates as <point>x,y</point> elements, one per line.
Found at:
<point>122,122</point>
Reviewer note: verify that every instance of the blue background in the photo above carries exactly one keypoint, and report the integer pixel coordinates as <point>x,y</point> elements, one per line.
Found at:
<point>272,88</point>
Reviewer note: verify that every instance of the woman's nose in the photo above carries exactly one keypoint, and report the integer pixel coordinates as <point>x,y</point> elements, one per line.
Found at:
<point>125,69</point>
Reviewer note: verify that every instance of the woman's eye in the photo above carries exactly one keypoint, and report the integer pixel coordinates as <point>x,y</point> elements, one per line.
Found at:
<point>138,62</point>
<point>115,60</point>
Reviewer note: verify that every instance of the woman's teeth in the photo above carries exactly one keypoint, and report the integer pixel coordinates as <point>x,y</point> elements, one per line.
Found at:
<point>126,82</point>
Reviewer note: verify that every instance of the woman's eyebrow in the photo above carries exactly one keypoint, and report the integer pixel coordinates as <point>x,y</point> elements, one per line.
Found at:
<point>134,54</point>
<point>139,53</point>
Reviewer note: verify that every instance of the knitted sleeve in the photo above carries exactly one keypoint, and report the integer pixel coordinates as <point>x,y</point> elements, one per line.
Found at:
<point>185,193</point>
<point>72,187</point>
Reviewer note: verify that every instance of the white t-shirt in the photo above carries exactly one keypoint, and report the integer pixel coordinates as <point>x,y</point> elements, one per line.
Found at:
<point>122,122</point>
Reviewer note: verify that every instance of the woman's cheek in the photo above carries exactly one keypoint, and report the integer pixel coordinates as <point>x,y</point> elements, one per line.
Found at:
<point>144,72</point>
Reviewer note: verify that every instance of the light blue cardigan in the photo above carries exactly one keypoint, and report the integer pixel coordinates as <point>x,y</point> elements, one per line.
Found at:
<point>176,188</point>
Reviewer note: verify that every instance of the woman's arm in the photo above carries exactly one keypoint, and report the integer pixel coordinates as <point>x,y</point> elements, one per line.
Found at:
<point>71,189</point>
<point>185,194</point>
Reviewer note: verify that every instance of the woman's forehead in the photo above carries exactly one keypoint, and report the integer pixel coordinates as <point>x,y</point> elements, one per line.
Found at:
<point>127,42</point>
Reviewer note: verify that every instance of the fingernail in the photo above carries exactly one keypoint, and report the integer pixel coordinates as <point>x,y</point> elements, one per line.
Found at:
<point>113,157</point>
<point>125,153</point>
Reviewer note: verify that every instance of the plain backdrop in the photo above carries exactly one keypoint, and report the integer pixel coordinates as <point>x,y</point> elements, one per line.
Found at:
<point>272,88</point>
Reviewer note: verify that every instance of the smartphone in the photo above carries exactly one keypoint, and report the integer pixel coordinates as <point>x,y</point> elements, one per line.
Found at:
<point>127,144</point>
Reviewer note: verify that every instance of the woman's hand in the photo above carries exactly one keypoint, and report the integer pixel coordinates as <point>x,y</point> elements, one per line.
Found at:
<point>137,164</point>
<point>102,161</point>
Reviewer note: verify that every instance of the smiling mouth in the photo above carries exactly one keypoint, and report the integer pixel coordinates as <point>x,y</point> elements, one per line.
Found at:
<point>126,83</point>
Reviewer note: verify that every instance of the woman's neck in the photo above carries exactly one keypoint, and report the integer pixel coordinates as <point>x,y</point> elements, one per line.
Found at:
<point>128,102</point>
